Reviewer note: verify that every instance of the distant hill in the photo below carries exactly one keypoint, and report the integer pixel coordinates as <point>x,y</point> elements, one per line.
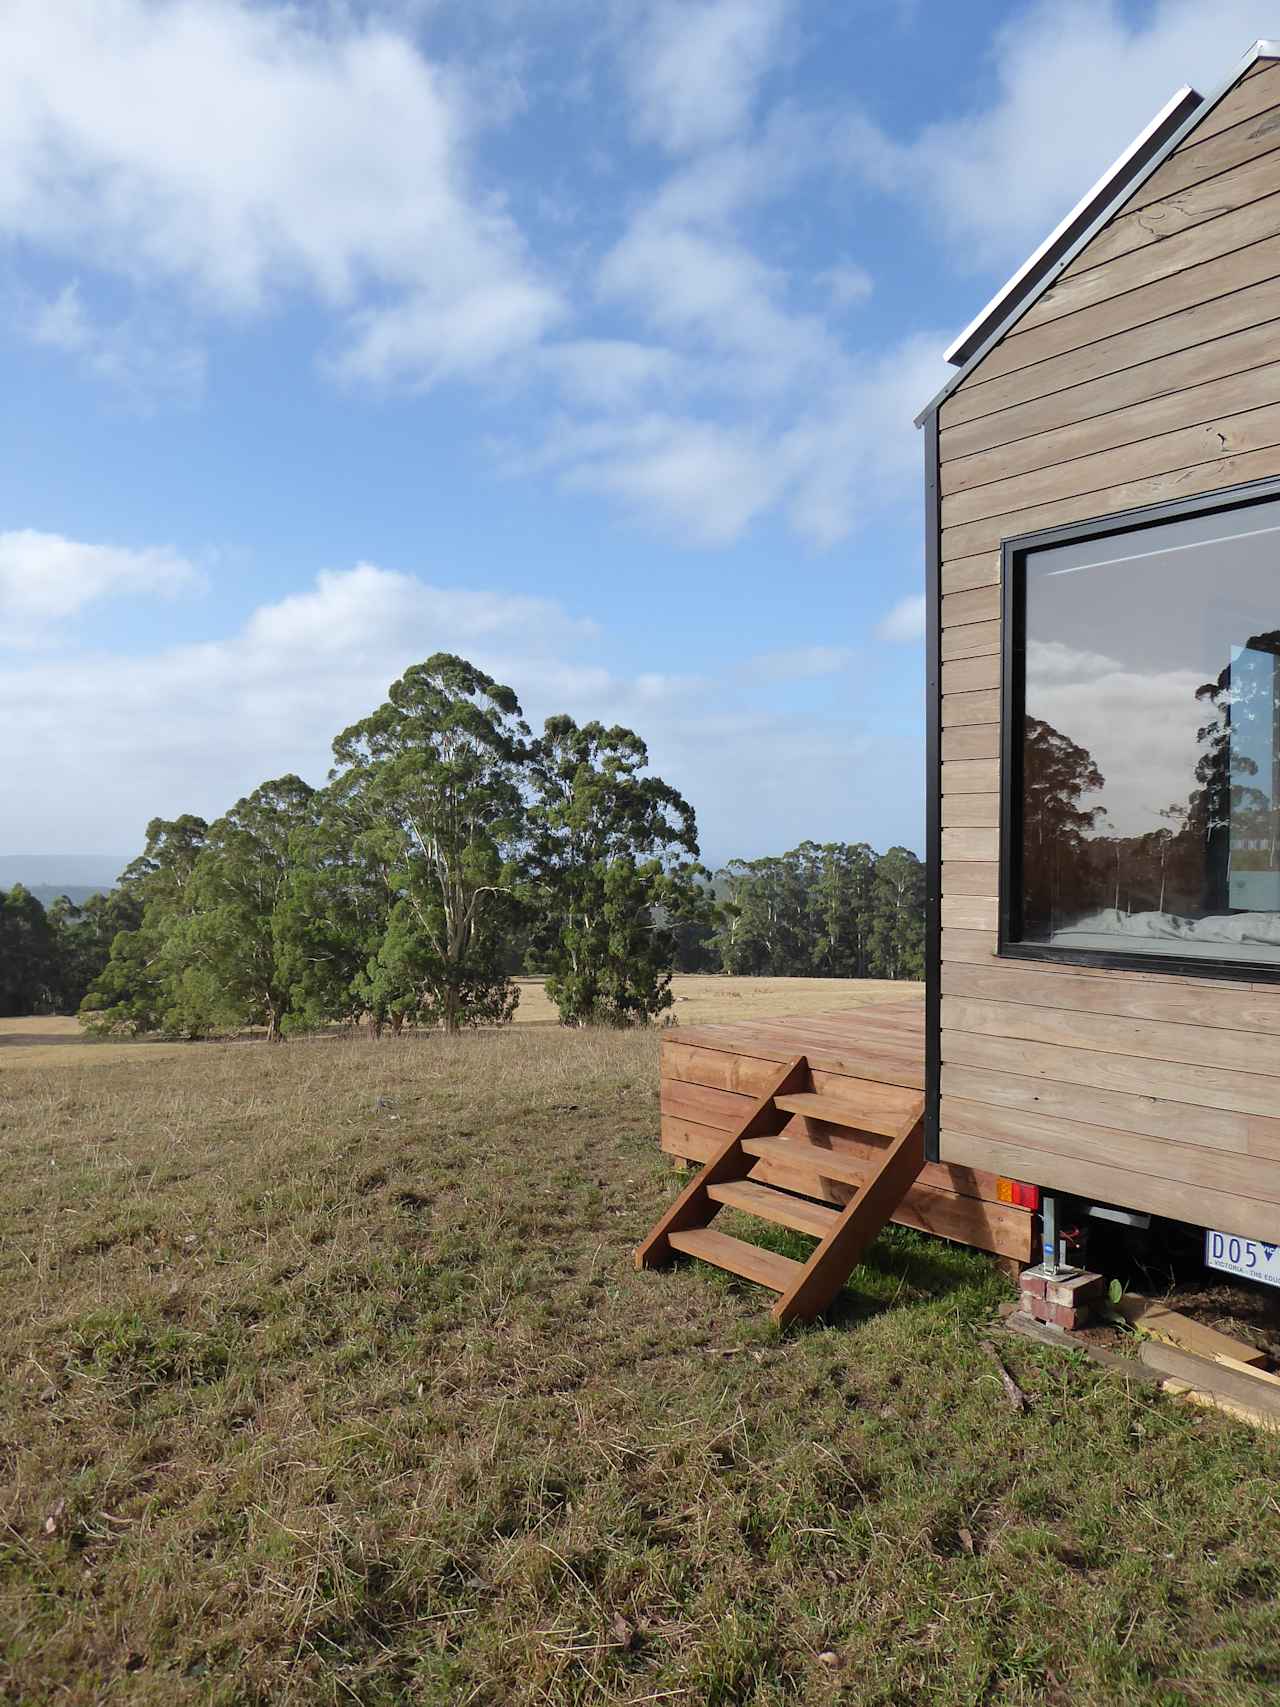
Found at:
<point>47,893</point>
<point>51,875</point>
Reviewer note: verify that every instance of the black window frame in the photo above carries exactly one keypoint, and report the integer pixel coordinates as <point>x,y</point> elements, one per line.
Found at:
<point>1013,555</point>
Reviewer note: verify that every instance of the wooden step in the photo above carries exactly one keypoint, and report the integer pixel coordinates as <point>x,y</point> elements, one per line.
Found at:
<point>764,1267</point>
<point>780,1207</point>
<point>887,1110</point>
<point>796,1153</point>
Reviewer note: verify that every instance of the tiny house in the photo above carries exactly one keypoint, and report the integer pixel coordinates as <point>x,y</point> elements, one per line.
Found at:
<point>1103,556</point>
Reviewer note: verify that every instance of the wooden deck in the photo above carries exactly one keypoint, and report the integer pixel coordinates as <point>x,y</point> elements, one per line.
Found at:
<point>712,1073</point>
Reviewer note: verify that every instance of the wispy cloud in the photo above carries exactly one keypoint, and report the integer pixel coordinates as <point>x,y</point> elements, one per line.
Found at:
<point>904,624</point>
<point>137,355</point>
<point>800,663</point>
<point>694,67</point>
<point>1072,82</point>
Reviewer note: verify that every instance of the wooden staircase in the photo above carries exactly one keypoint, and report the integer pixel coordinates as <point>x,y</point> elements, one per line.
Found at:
<point>888,1116</point>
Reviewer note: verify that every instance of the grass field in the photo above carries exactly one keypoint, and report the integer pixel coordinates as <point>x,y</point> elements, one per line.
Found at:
<point>327,1378</point>
<point>699,1000</point>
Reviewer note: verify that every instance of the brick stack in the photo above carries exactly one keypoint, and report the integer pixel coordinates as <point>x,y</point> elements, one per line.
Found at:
<point>1064,1299</point>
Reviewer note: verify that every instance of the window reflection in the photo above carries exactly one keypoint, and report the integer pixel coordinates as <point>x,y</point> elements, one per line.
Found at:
<point>1150,736</point>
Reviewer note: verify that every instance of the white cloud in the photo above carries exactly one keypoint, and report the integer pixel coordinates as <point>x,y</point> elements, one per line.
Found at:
<point>352,612</point>
<point>63,323</point>
<point>1072,83</point>
<point>240,151</point>
<point>226,158</point>
<point>46,579</point>
<point>1055,660</point>
<point>905,622</point>
<point>788,415</point>
<point>701,479</point>
<point>712,290</point>
<point>853,446</point>
<point>848,285</point>
<point>608,373</point>
<point>139,358</point>
<point>107,741</point>
<point>826,454</point>
<point>1139,727</point>
<point>800,663</point>
<point>694,67</point>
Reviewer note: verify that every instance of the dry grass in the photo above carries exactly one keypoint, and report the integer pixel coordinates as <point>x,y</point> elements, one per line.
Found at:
<point>699,1000</point>
<point>328,1379</point>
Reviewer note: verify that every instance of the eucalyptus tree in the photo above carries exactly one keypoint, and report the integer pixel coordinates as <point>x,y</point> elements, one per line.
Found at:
<point>83,933</point>
<point>28,975</point>
<point>612,868</point>
<point>223,954</point>
<point>430,786</point>
<point>766,927</point>
<point>330,924</point>
<point>896,935</point>
<point>136,990</point>
<point>842,909</point>
<point>835,910</point>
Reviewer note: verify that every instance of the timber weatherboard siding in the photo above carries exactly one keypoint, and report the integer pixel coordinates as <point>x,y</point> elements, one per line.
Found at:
<point>1148,371</point>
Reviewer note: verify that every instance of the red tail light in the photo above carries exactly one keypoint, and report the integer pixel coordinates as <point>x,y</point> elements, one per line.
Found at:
<point>1017,1192</point>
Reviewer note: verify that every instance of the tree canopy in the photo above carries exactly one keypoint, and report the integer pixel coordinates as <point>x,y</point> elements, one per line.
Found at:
<point>613,864</point>
<point>830,910</point>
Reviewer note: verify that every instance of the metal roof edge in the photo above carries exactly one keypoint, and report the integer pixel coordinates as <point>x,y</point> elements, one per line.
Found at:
<point>1088,216</point>
<point>1120,174</point>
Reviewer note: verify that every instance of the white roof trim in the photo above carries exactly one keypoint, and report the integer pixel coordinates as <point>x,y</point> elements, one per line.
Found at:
<point>1013,303</point>
<point>1113,171</point>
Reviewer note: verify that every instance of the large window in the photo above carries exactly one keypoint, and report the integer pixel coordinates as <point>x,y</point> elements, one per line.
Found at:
<point>1142,722</point>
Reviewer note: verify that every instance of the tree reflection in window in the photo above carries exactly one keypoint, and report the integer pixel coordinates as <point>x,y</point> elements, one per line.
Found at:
<point>1118,638</point>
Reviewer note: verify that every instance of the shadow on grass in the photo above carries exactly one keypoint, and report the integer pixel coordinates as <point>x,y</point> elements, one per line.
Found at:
<point>902,1269</point>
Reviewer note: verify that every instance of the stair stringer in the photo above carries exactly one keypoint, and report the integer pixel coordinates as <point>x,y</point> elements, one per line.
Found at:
<point>862,1219</point>
<point>693,1207</point>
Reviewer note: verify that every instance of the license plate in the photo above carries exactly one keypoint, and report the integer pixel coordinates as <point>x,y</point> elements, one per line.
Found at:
<point>1251,1259</point>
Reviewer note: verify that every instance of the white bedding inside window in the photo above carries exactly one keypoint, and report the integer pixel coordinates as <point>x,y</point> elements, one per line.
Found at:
<point>1169,933</point>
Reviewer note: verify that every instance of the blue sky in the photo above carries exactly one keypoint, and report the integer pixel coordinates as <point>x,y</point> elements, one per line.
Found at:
<point>581,338</point>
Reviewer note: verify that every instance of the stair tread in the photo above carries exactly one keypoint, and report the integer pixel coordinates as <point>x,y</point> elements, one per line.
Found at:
<point>779,1207</point>
<point>767,1268</point>
<point>887,1110</point>
<point>797,1153</point>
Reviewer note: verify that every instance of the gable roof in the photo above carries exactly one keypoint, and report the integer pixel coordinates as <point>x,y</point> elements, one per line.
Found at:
<point>1180,115</point>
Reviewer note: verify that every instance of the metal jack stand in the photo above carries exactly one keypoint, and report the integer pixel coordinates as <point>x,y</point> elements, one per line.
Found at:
<point>1058,1293</point>
<point>1052,1249</point>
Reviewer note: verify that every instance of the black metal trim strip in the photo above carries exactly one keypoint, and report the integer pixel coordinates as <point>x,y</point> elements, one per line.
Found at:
<point>933,790</point>
<point>1013,555</point>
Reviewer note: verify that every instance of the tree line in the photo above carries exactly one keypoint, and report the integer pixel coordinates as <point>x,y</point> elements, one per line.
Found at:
<point>449,850</point>
<point>829,910</point>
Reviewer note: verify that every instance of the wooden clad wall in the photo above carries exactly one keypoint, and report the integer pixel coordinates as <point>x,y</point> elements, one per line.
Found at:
<point>1149,371</point>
